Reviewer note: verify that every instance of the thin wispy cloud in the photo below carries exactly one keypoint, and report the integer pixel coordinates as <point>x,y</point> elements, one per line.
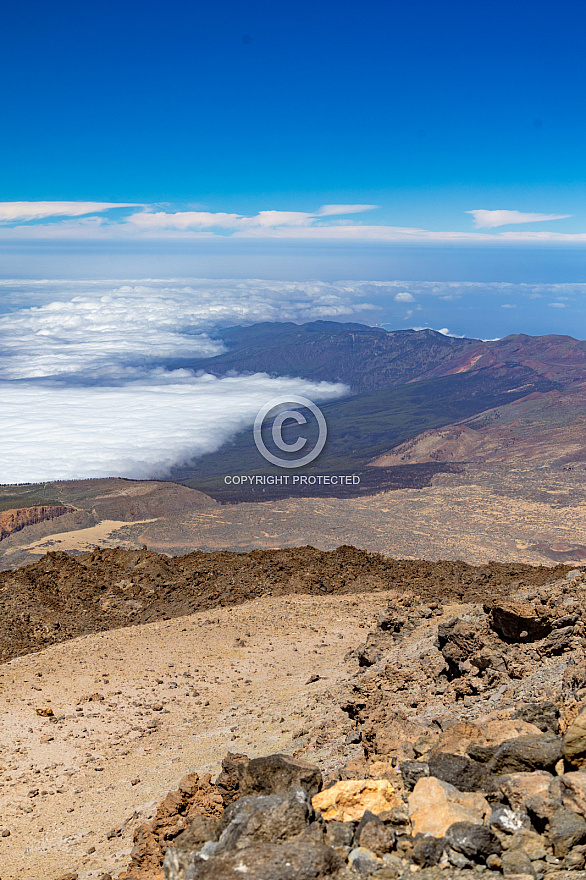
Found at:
<point>492,219</point>
<point>331,223</point>
<point>11,212</point>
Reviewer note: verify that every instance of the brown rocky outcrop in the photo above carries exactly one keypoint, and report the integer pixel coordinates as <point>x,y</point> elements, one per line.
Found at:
<point>14,520</point>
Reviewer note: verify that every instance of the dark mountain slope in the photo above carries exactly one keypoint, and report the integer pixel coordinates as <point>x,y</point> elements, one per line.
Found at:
<point>363,426</point>
<point>366,358</point>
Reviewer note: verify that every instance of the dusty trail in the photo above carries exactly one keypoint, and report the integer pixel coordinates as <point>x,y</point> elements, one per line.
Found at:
<point>164,699</point>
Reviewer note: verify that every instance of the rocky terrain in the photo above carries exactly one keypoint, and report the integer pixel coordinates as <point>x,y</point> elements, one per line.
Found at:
<point>61,597</point>
<point>383,718</point>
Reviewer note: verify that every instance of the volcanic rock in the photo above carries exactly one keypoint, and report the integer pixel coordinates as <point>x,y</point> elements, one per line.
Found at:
<point>518,621</point>
<point>435,805</point>
<point>348,800</point>
<point>473,840</point>
<point>527,753</point>
<point>277,773</point>
<point>574,745</point>
<point>519,788</point>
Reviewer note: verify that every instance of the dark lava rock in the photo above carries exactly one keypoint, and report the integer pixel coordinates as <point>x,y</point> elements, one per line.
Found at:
<point>525,753</point>
<point>481,754</point>
<point>340,833</point>
<point>390,620</point>
<point>293,860</point>
<point>518,622</point>
<point>266,818</point>
<point>543,715</point>
<point>373,834</point>
<point>460,771</point>
<point>275,774</point>
<point>428,850</point>
<point>228,782</point>
<point>566,829</point>
<point>504,819</point>
<point>474,841</point>
<point>368,656</point>
<point>412,772</point>
<point>197,833</point>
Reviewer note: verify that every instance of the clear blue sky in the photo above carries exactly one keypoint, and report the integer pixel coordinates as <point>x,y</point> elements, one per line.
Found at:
<point>423,140</point>
<point>426,108</point>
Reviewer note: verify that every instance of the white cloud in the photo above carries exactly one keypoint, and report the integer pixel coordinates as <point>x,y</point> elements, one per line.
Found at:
<point>66,221</point>
<point>263,220</point>
<point>81,393</point>
<point>11,212</point>
<point>404,297</point>
<point>491,219</point>
<point>108,329</point>
<point>138,431</point>
<point>557,305</point>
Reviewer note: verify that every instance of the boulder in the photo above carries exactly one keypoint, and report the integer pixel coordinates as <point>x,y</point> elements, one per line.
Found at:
<point>519,621</point>
<point>275,774</point>
<point>427,850</point>
<point>460,771</point>
<point>348,800</point>
<point>363,861</point>
<point>473,840</point>
<point>266,818</point>
<point>574,743</point>
<point>412,771</point>
<point>435,805</point>
<point>525,753</point>
<point>506,820</point>
<point>458,640</point>
<point>518,788</point>
<point>530,842</point>
<point>572,791</point>
<point>543,715</point>
<point>566,829</point>
<point>374,835</point>
<point>517,862</point>
<point>556,642</point>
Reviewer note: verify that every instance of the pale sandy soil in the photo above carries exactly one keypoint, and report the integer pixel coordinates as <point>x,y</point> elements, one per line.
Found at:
<point>469,522</point>
<point>102,534</point>
<point>177,696</point>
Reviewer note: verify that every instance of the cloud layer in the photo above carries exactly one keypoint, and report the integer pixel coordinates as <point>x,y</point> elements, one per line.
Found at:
<point>83,392</point>
<point>139,430</point>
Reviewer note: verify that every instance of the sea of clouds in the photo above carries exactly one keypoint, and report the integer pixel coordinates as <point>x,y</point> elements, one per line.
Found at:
<point>86,384</point>
<point>84,391</point>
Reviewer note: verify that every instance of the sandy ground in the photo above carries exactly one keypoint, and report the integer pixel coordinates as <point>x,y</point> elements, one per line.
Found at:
<point>102,534</point>
<point>168,698</point>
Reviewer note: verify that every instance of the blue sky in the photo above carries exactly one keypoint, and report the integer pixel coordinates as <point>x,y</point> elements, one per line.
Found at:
<point>385,141</point>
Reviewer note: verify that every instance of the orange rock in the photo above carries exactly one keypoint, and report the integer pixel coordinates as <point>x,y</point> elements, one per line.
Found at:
<point>348,800</point>
<point>435,805</point>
